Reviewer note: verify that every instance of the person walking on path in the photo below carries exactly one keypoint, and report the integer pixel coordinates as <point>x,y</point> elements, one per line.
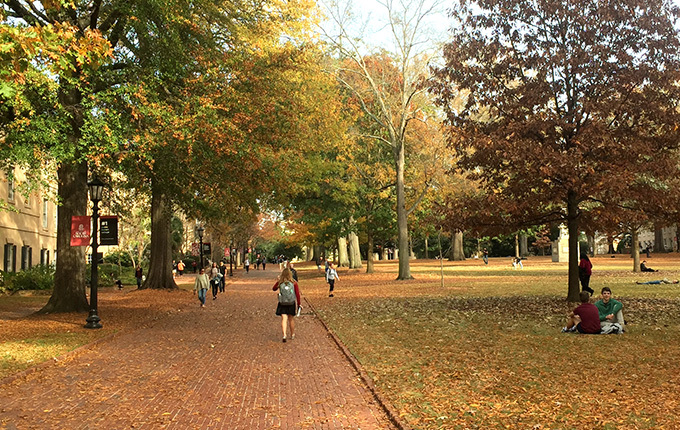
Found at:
<point>139,276</point>
<point>201,286</point>
<point>585,269</point>
<point>246,264</point>
<point>289,300</point>
<point>331,276</point>
<point>485,256</point>
<point>180,268</point>
<point>223,272</point>
<point>264,262</point>
<point>214,280</point>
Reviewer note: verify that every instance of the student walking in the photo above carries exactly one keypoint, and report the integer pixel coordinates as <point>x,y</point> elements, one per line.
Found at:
<point>288,302</point>
<point>246,264</point>
<point>331,276</point>
<point>201,286</point>
<point>223,273</point>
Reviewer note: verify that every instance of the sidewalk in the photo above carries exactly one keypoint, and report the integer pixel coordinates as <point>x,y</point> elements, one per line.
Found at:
<point>221,367</point>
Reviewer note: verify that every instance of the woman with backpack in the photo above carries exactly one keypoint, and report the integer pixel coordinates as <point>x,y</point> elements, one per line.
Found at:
<point>289,301</point>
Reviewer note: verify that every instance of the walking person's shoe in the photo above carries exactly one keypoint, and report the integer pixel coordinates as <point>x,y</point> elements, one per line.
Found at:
<point>284,339</point>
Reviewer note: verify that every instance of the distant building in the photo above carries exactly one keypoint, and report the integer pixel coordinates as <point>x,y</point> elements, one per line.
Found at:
<point>28,226</point>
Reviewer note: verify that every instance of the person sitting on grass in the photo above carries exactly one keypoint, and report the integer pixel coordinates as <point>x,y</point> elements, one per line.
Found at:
<point>611,315</point>
<point>644,268</point>
<point>585,319</point>
<point>658,281</point>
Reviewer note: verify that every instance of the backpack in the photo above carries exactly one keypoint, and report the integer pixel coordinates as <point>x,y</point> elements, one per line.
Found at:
<point>287,293</point>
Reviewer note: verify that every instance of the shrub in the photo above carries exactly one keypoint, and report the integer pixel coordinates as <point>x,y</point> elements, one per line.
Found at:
<point>108,273</point>
<point>36,278</point>
<point>114,256</point>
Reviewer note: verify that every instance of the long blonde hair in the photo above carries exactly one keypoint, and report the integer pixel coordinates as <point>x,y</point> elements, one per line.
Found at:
<point>286,276</point>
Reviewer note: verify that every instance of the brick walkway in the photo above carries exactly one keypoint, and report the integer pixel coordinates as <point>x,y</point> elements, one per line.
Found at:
<point>222,367</point>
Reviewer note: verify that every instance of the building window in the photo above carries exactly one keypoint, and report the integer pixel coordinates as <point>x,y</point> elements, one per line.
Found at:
<point>10,190</point>
<point>45,257</point>
<point>10,257</point>
<point>44,213</point>
<point>26,257</point>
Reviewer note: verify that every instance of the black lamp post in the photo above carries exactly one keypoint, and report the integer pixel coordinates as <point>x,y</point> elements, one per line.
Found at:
<point>96,188</point>
<point>231,258</point>
<point>200,230</point>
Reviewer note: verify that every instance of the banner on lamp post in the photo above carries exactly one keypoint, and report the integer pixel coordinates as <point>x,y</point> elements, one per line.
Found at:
<point>108,233</point>
<point>80,230</point>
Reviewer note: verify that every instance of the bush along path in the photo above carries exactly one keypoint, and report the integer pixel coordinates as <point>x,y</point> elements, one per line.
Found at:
<point>223,366</point>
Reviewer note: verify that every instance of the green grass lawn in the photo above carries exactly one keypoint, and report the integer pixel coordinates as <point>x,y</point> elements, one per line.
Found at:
<point>486,352</point>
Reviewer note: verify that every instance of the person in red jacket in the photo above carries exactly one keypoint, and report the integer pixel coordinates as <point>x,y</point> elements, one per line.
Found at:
<point>288,303</point>
<point>585,319</point>
<point>585,269</point>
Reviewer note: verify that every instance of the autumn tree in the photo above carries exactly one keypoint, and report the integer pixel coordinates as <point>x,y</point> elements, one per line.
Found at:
<point>567,106</point>
<point>387,86</point>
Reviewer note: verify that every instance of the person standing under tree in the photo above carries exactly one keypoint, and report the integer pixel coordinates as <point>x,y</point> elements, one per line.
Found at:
<point>288,303</point>
<point>585,269</point>
<point>485,256</point>
<point>139,276</point>
<point>331,276</point>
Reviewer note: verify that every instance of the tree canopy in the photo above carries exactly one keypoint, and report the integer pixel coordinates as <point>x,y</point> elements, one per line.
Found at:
<point>566,106</point>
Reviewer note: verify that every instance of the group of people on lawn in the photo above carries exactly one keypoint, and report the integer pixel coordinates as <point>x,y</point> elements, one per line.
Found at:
<point>603,317</point>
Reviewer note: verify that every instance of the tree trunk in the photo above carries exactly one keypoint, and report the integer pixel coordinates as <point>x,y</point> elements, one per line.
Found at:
<point>402,216</point>
<point>517,254</point>
<point>591,245</point>
<point>369,260</point>
<point>354,252</point>
<point>658,240</point>
<point>427,253</point>
<point>316,253</point>
<point>411,254</point>
<point>572,227</point>
<point>69,278</point>
<point>457,253</point>
<point>160,266</point>
<point>343,258</point>
<point>635,250</point>
<point>523,245</point>
<point>384,253</point>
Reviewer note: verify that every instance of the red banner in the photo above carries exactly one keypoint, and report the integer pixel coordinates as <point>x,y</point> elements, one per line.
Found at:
<point>80,230</point>
<point>226,252</point>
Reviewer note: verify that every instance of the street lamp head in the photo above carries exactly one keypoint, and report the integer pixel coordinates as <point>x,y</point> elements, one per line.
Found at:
<point>199,230</point>
<point>96,187</point>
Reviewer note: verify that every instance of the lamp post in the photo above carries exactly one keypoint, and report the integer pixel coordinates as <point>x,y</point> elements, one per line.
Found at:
<point>96,188</point>
<point>200,230</point>
<point>231,258</point>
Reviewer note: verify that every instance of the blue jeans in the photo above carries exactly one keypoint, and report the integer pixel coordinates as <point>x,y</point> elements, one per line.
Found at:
<point>201,295</point>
